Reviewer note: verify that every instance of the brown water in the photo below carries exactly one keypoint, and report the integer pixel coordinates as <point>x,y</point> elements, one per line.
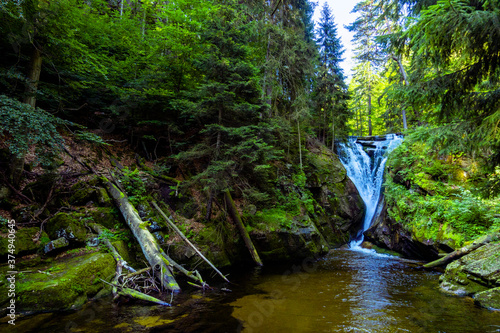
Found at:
<point>346,291</point>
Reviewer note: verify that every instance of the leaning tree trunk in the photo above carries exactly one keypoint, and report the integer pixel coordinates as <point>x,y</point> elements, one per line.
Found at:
<point>152,251</point>
<point>244,233</point>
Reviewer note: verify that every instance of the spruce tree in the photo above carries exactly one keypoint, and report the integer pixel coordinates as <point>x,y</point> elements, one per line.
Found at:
<point>330,92</point>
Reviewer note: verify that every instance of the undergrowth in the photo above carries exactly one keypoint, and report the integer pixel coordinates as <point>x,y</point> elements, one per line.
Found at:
<point>440,196</point>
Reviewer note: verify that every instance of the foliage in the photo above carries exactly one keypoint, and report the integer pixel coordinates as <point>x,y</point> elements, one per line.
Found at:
<point>133,184</point>
<point>23,127</point>
<point>430,194</point>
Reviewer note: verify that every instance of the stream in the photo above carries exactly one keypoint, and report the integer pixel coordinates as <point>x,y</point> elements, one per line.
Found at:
<point>345,291</point>
<point>348,290</point>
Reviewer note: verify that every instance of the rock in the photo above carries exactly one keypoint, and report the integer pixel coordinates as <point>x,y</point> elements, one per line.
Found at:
<point>56,245</point>
<point>476,274</point>
<point>342,207</point>
<point>389,234</point>
<point>66,285</point>
<point>85,191</point>
<point>108,217</point>
<point>285,245</point>
<point>489,299</point>
<point>24,243</point>
<point>68,226</point>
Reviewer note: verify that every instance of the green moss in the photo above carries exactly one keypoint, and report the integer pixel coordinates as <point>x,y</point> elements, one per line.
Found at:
<point>106,216</point>
<point>83,192</point>
<point>23,242</point>
<point>71,282</point>
<point>68,225</point>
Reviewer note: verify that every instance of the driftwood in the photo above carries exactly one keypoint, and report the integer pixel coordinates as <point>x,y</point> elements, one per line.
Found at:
<point>173,226</point>
<point>463,251</point>
<point>233,212</point>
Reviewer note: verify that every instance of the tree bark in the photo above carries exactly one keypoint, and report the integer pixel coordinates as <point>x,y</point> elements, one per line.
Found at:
<point>244,234</point>
<point>300,144</point>
<point>463,251</point>
<point>369,111</point>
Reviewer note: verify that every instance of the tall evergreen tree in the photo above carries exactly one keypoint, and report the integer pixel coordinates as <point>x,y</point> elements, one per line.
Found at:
<point>330,92</point>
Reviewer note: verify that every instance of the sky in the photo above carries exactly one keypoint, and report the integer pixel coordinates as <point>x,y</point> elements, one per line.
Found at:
<point>341,10</point>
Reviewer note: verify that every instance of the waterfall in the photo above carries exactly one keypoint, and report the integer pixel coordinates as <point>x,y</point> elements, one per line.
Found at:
<point>364,159</point>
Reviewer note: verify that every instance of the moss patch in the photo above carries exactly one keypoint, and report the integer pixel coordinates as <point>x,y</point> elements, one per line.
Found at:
<point>68,286</point>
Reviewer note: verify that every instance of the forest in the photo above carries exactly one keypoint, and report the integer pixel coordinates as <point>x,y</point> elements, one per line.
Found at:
<point>227,115</point>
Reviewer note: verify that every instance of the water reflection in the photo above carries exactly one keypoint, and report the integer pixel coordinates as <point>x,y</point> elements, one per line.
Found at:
<point>347,291</point>
<point>352,291</point>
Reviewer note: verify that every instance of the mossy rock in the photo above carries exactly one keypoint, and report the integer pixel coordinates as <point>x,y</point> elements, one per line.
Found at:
<point>70,283</point>
<point>108,217</point>
<point>68,226</point>
<point>84,191</point>
<point>489,299</point>
<point>474,273</point>
<point>24,243</point>
<point>103,198</point>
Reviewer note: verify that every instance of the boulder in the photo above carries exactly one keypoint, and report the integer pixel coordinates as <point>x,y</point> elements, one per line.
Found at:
<point>60,285</point>
<point>389,234</point>
<point>342,207</point>
<point>24,242</point>
<point>68,226</point>
<point>476,274</point>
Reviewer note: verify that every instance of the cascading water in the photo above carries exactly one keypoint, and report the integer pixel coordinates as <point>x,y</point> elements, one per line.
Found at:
<point>364,160</point>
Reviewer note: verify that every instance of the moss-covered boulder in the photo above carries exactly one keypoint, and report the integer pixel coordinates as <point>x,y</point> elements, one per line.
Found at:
<point>62,285</point>
<point>288,245</point>
<point>84,192</point>
<point>341,208</point>
<point>69,226</point>
<point>108,217</point>
<point>26,242</point>
<point>386,233</point>
<point>476,274</point>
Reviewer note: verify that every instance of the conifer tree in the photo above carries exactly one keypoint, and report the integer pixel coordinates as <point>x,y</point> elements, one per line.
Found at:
<point>330,92</point>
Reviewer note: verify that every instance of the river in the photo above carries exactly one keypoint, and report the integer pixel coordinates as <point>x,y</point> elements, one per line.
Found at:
<point>345,291</point>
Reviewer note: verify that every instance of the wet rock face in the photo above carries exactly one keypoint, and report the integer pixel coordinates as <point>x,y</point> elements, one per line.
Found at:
<point>289,245</point>
<point>476,274</point>
<point>391,235</point>
<point>336,194</point>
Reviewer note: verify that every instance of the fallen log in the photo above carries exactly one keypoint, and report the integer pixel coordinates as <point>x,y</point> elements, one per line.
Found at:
<point>152,251</point>
<point>457,254</point>
<point>181,234</point>
<point>233,212</point>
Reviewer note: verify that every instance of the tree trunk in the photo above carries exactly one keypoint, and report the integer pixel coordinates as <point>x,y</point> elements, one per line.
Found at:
<point>16,163</point>
<point>237,220</point>
<point>33,77</point>
<point>369,113</point>
<point>300,145</point>
<point>152,251</point>
<point>333,132</point>
<point>463,251</point>
<point>405,83</point>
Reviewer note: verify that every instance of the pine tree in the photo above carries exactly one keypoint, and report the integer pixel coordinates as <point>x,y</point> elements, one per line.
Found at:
<point>330,91</point>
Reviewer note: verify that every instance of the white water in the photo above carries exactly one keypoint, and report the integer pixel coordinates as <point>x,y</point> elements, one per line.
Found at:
<point>367,173</point>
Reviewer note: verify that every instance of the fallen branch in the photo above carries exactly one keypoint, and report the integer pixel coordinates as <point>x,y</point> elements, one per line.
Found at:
<point>463,251</point>
<point>135,294</point>
<point>173,226</point>
<point>244,233</point>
